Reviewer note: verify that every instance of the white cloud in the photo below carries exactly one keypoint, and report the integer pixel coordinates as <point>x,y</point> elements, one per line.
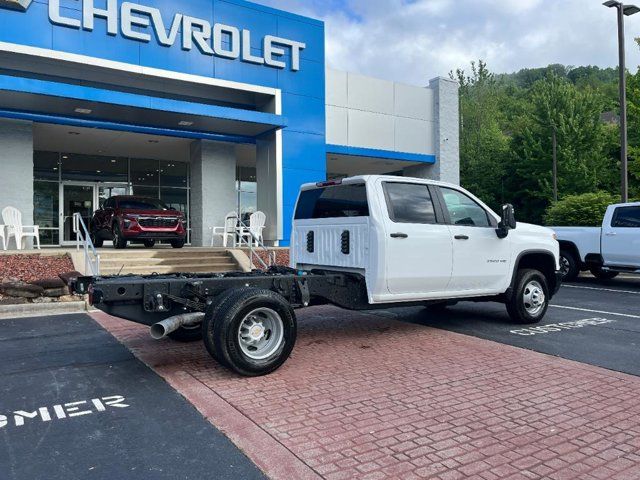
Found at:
<point>415,40</point>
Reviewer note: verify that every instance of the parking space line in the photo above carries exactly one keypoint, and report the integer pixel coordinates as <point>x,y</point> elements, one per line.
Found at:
<point>602,289</point>
<point>595,311</point>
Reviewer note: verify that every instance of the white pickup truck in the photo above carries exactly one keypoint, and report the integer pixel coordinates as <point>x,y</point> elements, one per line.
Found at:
<point>361,243</point>
<point>606,251</point>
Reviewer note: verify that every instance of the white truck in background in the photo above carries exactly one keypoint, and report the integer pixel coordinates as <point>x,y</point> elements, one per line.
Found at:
<point>359,243</point>
<point>606,251</point>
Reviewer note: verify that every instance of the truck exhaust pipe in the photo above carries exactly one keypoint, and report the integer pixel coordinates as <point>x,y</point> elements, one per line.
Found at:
<point>165,327</point>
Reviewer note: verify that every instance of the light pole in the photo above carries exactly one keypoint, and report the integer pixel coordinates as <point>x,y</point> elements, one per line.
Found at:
<point>622,11</point>
<point>555,163</point>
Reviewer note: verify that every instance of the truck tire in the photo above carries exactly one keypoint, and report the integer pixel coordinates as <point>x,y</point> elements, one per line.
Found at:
<point>149,243</point>
<point>569,266</point>
<point>210,316</point>
<point>252,331</point>
<point>192,333</point>
<point>530,299</point>
<point>603,274</point>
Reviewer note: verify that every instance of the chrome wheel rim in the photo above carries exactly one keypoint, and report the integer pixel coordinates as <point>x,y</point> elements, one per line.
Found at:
<point>261,333</point>
<point>533,298</point>
<point>565,266</point>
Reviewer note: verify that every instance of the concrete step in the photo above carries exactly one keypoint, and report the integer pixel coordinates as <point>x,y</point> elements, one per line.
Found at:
<point>149,253</point>
<point>184,268</point>
<point>111,262</point>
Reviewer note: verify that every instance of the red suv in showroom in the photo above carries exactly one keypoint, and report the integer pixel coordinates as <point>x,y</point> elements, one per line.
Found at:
<point>134,219</point>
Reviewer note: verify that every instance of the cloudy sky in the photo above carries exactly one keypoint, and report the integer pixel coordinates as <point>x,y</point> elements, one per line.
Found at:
<point>415,40</point>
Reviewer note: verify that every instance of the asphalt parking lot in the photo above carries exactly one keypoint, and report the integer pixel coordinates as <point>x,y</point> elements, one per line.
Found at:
<point>77,404</point>
<point>386,394</point>
<point>589,321</point>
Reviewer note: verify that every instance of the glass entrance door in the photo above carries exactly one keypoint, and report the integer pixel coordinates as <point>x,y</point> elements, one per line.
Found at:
<point>76,198</point>
<point>84,198</point>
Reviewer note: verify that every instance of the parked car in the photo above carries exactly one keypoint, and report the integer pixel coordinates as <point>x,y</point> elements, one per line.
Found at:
<point>359,243</point>
<point>124,219</point>
<point>606,251</point>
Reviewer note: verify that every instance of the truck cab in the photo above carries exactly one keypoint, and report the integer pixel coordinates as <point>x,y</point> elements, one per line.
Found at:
<point>606,251</point>
<point>416,240</point>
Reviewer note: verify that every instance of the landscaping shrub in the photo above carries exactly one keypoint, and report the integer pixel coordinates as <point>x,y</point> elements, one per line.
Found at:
<point>586,210</point>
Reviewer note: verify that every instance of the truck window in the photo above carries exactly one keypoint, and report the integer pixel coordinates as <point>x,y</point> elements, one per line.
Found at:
<point>463,210</point>
<point>626,217</point>
<point>409,203</point>
<point>333,202</point>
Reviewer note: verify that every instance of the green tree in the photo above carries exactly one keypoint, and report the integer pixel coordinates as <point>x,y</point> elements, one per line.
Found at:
<point>484,147</point>
<point>554,103</point>
<point>633,114</point>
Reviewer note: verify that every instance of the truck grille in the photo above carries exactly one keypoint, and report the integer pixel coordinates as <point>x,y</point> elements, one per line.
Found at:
<point>158,222</point>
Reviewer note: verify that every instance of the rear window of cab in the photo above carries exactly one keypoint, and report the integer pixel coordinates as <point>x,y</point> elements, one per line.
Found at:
<point>337,201</point>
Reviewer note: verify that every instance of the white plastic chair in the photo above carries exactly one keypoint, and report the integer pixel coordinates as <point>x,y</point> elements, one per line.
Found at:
<point>3,229</point>
<point>12,218</point>
<point>228,230</point>
<point>257,222</point>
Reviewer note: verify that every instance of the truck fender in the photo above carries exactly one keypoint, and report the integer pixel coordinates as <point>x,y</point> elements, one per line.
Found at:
<point>542,260</point>
<point>571,247</point>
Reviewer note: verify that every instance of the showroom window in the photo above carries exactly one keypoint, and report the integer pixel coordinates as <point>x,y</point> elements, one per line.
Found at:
<point>57,173</point>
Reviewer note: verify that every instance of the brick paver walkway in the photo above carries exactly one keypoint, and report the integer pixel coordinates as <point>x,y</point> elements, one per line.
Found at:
<point>368,397</point>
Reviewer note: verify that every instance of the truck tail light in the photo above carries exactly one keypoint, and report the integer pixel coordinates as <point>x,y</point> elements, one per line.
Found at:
<point>310,242</point>
<point>345,242</point>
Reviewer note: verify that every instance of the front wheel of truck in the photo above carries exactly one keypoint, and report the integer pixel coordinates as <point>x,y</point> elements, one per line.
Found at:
<point>252,331</point>
<point>530,299</point>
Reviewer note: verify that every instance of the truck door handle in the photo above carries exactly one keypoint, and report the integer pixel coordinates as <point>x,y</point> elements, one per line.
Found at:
<point>399,235</point>
<point>461,237</point>
<point>610,234</point>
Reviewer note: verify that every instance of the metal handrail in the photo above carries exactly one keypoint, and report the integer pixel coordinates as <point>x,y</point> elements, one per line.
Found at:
<point>91,255</point>
<point>271,255</point>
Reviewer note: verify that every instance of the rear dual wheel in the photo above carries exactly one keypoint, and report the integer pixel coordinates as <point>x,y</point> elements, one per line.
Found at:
<point>251,331</point>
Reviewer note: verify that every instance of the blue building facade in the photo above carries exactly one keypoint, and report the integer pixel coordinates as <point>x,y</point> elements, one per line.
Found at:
<point>203,71</point>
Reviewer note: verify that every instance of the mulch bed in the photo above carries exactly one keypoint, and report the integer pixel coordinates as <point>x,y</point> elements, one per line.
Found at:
<point>282,256</point>
<point>32,267</point>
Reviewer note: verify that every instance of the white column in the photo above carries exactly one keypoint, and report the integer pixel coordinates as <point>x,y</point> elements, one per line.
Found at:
<point>447,134</point>
<point>269,178</point>
<point>213,188</point>
<point>16,165</point>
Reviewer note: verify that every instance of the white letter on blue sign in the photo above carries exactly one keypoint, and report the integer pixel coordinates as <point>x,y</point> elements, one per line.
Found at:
<point>55,17</point>
<point>111,14</point>
<point>129,20</point>
<point>247,56</point>
<point>200,36</point>
<point>219,30</point>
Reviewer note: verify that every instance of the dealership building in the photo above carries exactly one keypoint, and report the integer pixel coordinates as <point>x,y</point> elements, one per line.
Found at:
<point>212,106</point>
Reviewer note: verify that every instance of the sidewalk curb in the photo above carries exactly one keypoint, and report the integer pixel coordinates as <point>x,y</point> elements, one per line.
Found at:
<point>41,309</point>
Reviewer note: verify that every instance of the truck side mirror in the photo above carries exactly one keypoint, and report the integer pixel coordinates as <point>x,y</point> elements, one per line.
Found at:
<point>507,222</point>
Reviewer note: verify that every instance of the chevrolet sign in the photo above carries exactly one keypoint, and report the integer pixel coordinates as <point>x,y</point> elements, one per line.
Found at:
<point>142,23</point>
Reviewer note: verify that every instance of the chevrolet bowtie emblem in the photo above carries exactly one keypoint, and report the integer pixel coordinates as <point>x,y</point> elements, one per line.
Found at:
<point>20,5</point>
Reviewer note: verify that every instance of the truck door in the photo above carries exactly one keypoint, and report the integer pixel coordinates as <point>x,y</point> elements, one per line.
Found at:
<point>621,237</point>
<point>481,260</point>
<point>418,258</point>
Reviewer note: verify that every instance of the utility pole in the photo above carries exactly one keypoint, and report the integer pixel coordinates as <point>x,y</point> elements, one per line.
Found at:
<point>555,165</point>
<point>623,10</point>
